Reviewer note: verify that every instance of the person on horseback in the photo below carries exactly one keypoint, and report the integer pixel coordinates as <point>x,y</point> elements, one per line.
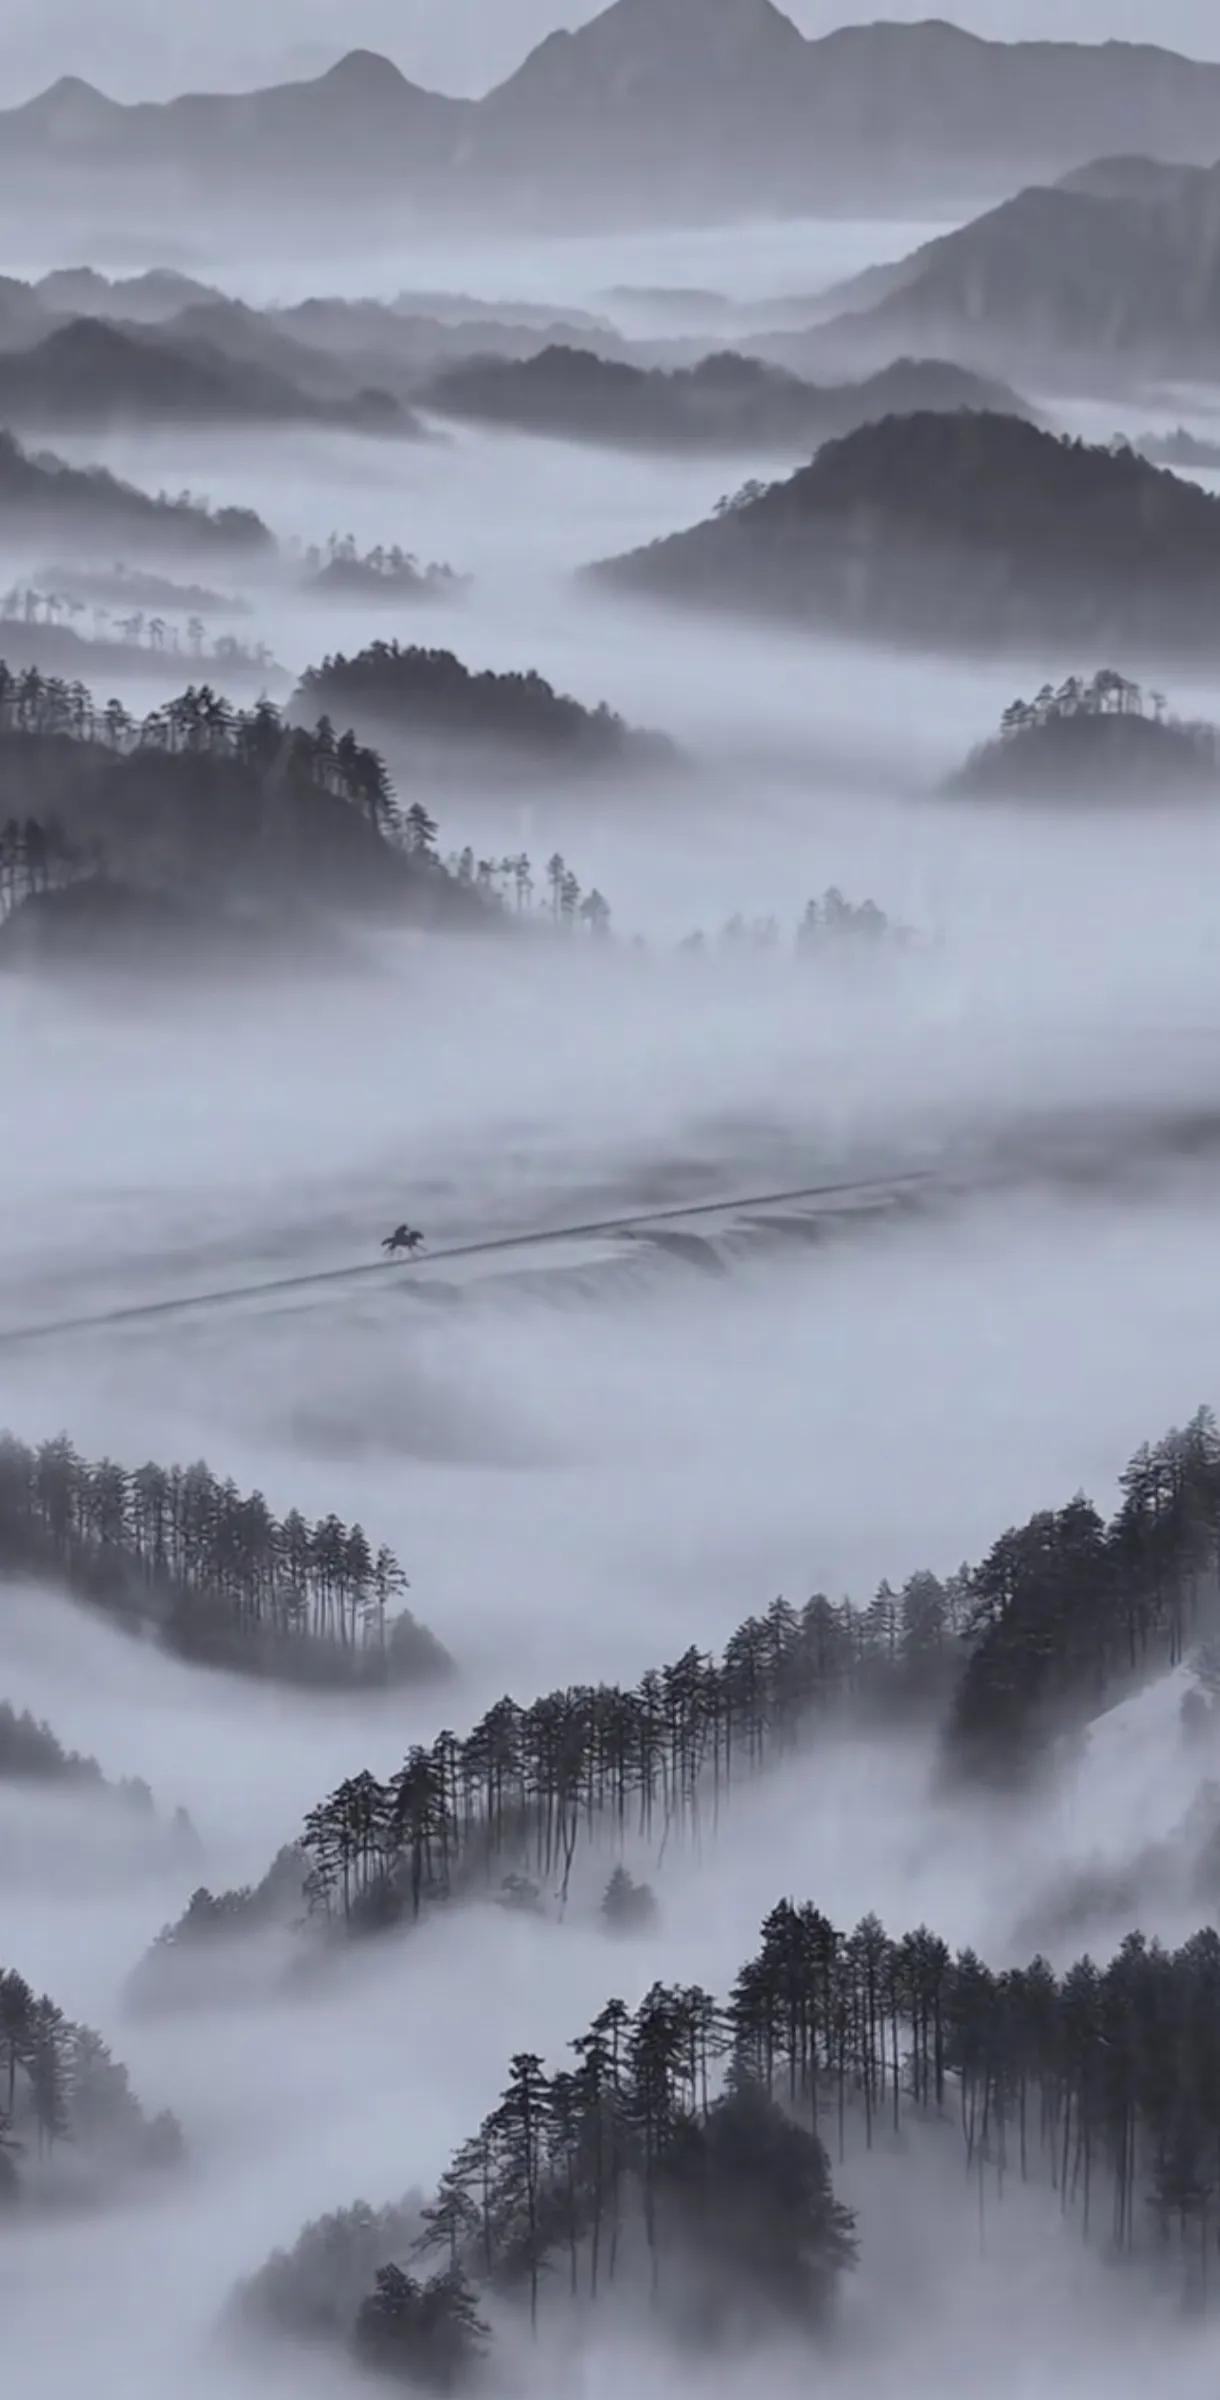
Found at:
<point>402,1239</point>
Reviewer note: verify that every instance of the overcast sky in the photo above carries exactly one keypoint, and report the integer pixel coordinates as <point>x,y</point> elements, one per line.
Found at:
<point>141,47</point>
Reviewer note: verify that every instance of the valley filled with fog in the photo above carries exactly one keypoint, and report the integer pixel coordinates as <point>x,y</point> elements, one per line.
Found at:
<point>816,1152</point>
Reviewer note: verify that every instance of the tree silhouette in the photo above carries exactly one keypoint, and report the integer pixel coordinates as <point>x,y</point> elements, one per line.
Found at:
<point>209,1566</point>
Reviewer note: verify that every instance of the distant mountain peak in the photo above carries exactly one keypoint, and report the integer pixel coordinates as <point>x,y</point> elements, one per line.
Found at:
<point>71,101</point>
<point>689,42</point>
<point>363,70</point>
<point>698,20</point>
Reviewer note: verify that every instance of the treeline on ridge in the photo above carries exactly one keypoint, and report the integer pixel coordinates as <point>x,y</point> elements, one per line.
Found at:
<point>202,802</point>
<point>681,2156</point>
<point>1101,735</point>
<point>217,1575</point>
<point>1062,1615</point>
<point>431,698</point>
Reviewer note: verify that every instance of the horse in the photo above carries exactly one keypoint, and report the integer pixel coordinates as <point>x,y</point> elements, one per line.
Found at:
<point>402,1239</point>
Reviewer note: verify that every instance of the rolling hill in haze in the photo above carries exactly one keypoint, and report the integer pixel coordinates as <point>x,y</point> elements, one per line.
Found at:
<point>675,109</point>
<point>958,532</point>
<point>92,373</point>
<point>725,403</point>
<point>96,514</point>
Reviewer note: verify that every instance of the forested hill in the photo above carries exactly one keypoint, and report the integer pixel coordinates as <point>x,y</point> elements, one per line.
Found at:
<point>93,374</point>
<point>677,2158</point>
<point>119,825</point>
<point>42,498</point>
<point>1063,1615</point>
<point>1096,738</point>
<point>71,2128</point>
<point>428,700</point>
<point>959,530</point>
<point>726,403</point>
<point>174,1551</point>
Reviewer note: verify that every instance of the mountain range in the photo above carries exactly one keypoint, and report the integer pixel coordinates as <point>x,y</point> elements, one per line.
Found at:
<point>724,404</point>
<point>686,109</point>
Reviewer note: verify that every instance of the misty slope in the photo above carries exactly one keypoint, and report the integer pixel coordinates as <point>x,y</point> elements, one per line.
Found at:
<point>136,844</point>
<point>147,299</point>
<point>725,403</point>
<point>971,531</point>
<point>1093,742</point>
<point>43,499</point>
<point>90,373</point>
<point>1116,269</point>
<point>678,109</point>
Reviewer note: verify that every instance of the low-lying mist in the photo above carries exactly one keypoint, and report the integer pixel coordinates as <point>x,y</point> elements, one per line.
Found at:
<point>619,1439</point>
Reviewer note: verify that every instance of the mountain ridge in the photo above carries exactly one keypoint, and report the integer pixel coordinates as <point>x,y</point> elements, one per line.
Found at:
<point>1114,267</point>
<point>655,108</point>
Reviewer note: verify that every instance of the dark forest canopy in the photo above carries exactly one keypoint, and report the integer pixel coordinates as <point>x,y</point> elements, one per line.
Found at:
<point>201,830</point>
<point>69,2119</point>
<point>41,496</point>
<point>210,1569</point>
<point>201,803</point>
<point>93,374</point>
<point>726,402</point>
<point>640,2173</point>
<point>1062,1617</point>
<point>958,531</point>
<point>428,697</point>
<point>680,2154</point>
<point>1099,737</point>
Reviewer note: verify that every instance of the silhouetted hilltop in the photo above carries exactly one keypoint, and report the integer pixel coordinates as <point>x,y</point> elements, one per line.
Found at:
<point>656,109</point>
<point>91,373</point>
<point>203,808</point>
<point>1117,267</point>
<point>958,530</point>
<point>41,497</point>
<point>429,698</point>
<point>726,402</point>
<point>1098,739</point>
<point>148,299</point>
<point>384,576</point>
